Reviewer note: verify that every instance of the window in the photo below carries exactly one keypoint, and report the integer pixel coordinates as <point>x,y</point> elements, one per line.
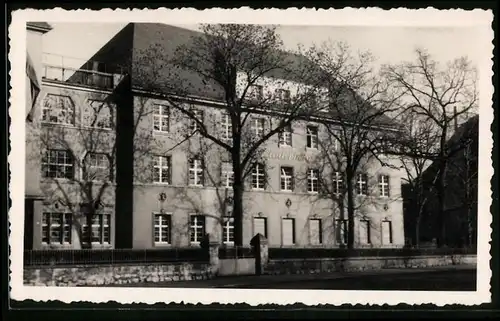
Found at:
<point>228,230</point>
<point>98,114</point>
<point>57,164</point>
<point>283,95</point>
<point>341,231</point>
<point>260,226</point>
<point>227,174</point>
<point>258,177</point>
<point>365,232</point>
<point>288,231</point>
<point>197,228</point>
<point>315,232</point>
<point>286,179</point>
<point>312,180</point>
<point>97,167</point>
<point>196,172</point>
<point>161,118</point>
<point>58,109</point>
<point>338,183</point>
<point>101,231</point>
<point>255,92</point>
<point>162,223</point>
<point>383,185</point>
<point>227,127</point>
<point>56,228</point>
<point>161,169</point>
<point>312,137</point>
<point>362,184</point>
<point>258,126</point>
<point>285,136</point>
<point>198,114</point>
<point>386,232</point>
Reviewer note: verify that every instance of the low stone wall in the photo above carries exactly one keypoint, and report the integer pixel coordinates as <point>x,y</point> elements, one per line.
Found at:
<point>241,266</point>
<point>306,266</point>
<point>121,274</point>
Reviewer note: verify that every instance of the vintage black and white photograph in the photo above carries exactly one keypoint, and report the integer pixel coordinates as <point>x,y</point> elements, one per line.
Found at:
<point>242,155</point>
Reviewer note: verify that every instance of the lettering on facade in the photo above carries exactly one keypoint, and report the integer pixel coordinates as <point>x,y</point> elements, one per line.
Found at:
<point>290,156</point>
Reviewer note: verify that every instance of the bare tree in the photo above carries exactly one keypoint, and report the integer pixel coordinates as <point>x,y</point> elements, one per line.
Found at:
<point>246,76</point>
<point>442,96</point>
<point>356,118</point>
<point>419,137</point>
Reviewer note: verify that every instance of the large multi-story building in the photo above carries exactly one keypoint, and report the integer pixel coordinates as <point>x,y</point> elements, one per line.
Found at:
<point>103,137</point>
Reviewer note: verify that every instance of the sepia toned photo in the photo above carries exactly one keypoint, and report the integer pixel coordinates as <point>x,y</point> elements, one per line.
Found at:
<point>250,156</point>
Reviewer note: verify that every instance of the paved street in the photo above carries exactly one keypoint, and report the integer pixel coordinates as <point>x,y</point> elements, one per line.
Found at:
<point>454,278</point>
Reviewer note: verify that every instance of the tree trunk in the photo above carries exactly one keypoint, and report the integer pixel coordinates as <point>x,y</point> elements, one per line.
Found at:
<point>441,188</point>
<point>237,198</point>
<point>350,211</point>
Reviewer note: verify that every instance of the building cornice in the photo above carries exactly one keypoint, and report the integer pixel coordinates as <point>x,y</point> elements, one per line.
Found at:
<point>63,84</point>
<point>38,27</point>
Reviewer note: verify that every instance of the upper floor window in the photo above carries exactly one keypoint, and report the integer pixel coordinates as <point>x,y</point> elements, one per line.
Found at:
<point>312,137</point>
<point>161,169</point>
<point>198,115</point>
<point>258,176</point>
<point>97,167</point>
<point>255,92</point>
<point>161,118</point>
<point>58,109</point>
<point>312,180</point>
<point>286,178</point>
<point>283,95</point>
<point>383,185</point>
<point>227,174</point>
<point>258,126</point>
<point>362,184</point>
<point>196,168</point>
<point>338,183</point>
<point>285,136</point>
<point>226,127</point>
<point>98,114</point>
<point>57,164</point>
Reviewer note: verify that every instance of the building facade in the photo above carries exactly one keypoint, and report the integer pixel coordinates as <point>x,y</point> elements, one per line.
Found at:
<point>105,142</point>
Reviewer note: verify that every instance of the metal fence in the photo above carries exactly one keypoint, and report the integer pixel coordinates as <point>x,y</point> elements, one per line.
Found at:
<point>236,252</point>
<point>113,256</point>
<point>311,253</point>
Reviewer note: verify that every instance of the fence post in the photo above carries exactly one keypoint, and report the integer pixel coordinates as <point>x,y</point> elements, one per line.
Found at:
<point>261,252</point>
<point>211,244</point>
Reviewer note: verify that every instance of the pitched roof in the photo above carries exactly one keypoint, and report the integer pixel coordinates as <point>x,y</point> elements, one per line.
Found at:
<point>145,49</point>
<point>39,26</point>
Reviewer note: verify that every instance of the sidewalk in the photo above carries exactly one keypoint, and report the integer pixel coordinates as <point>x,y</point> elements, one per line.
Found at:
<point>238,281</point>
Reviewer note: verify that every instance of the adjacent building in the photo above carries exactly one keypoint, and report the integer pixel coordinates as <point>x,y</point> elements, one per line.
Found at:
<point>103,136</point>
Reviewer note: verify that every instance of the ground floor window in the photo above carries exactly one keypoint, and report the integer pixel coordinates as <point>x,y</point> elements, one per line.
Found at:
<point>100,230</point>
<point>365,232</point>
<point>56,228</point>
<point>162,225</point>
<point>197,228</point>
<point>386,232</point>
<point>341,231</point>
<point>288,231</point>
<point>315,232</point>
<point>260,226</point>
<point>228,230</point>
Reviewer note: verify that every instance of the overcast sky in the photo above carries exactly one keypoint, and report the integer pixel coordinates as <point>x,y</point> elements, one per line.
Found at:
<point>388,44</point>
